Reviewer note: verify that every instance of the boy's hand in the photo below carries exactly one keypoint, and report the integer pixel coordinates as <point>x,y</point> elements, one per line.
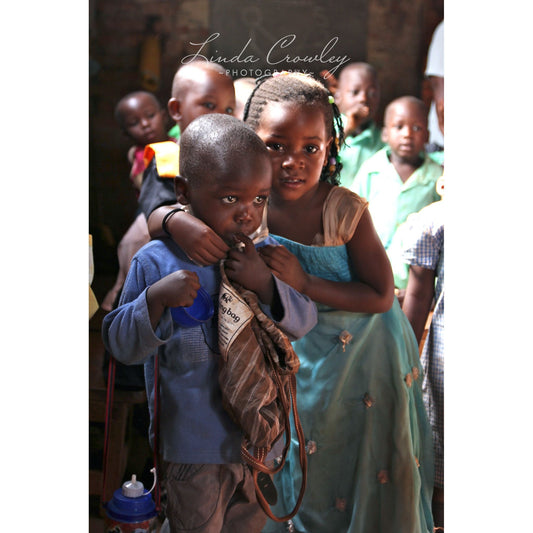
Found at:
<point>285,266</point>
<point>201,244</point>
<point>245,266</point>
<point>175,290</point>
<point>356,117</point>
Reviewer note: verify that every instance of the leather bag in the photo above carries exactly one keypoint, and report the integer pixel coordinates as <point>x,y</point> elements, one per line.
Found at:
<point>257,376</point>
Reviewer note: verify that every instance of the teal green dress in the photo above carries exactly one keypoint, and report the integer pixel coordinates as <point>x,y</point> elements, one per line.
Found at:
<point>370,458</point>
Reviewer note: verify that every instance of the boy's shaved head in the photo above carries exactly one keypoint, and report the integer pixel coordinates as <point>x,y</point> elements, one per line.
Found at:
<point>215,143</point>
<point>190,72</point>
<point>406,101</point>
<point>358,66</point>
<point>225,175</point>
<point>200,87</point>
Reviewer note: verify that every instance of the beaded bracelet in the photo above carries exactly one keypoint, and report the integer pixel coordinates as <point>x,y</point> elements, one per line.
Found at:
<point>166,218</point>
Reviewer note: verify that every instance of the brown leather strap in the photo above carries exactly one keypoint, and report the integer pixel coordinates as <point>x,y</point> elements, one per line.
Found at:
<point>257,465</point>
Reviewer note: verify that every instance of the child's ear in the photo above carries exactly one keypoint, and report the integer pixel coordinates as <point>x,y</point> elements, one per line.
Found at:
<point>181,188</point>
<point>174,109</point>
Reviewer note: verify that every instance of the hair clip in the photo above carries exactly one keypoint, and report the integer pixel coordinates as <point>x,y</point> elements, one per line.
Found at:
<point>331,100</point>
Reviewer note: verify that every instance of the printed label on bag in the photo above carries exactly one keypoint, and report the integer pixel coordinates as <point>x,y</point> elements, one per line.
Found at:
<point>233,315</point>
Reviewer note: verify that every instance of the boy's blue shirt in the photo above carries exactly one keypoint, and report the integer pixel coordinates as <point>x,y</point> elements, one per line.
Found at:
<point>194,427</point>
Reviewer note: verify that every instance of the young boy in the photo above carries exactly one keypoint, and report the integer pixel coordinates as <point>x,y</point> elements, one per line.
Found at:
<point>142,119</point>
<point>399,179</point>
<point>357,96</point>
<point>225,180</point>
<point>198,88</point>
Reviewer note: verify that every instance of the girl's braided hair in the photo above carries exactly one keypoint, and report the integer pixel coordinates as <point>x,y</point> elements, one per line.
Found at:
<point>300,89</point>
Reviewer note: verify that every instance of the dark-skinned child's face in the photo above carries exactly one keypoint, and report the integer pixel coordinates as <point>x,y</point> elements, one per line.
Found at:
<point>231,200</point>
<point>296,138</point>
<point>405,131</point>
<point>358,93</point>
<point>208,92</point>
<point>143,120</point>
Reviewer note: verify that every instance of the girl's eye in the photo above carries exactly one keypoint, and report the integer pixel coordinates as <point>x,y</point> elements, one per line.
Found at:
<point>311,149</point>
<point>260,200</point>
<point>229,199</point>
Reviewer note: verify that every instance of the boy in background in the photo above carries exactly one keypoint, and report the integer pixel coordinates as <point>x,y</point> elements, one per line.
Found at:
<point>199,87</point>
<point>142,119</point>
<point>400,179</point>
<point>357,96</point>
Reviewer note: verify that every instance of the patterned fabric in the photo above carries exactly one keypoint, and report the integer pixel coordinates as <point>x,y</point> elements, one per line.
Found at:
<point>424,247</point>
<point>370,464</point>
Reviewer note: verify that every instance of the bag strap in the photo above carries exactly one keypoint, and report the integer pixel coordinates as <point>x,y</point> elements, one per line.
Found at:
<point>157,487</point>
<point>111,368</point>
<point>257,463</point>
<point>256,460</point>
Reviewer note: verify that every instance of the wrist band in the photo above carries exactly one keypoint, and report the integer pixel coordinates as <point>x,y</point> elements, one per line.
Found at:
<point>166,218</point>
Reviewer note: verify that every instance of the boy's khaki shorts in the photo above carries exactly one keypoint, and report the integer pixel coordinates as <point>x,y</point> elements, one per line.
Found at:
<point>212,499</point>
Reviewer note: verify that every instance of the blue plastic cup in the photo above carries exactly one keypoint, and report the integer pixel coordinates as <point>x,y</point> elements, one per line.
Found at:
<point>200,311</point>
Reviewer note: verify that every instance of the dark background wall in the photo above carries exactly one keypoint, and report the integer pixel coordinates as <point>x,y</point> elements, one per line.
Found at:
<point>393,35</point>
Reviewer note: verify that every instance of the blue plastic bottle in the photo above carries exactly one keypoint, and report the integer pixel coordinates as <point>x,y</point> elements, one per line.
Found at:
<point>131,510</point>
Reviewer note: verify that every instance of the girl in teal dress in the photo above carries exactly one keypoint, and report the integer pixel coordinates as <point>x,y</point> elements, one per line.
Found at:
<point>370,463</point>
<point>370,458</point>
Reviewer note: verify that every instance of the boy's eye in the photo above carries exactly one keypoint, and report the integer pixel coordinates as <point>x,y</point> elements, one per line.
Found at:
<point>209,105</point>
<point>229,199</point>
<point>417,128</point>
<point>229,110</point>
<point>259,200</point>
